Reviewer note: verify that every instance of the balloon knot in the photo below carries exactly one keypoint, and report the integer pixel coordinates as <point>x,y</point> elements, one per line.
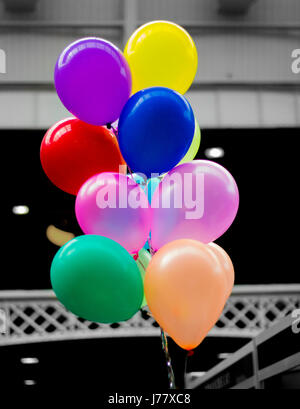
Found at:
<point>108,126</point>
<point>135,256</point>
<point>191,352</point>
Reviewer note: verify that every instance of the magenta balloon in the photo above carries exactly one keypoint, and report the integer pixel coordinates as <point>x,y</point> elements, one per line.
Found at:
<point>114,206</point>
<point>200,203</point>
<point>93,80</point>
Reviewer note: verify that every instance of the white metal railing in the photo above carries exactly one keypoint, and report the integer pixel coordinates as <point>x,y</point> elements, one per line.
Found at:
<point>230,372</point>
<point>36,316</point>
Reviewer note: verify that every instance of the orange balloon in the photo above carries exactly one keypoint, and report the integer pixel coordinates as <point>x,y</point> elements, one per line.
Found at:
<point>185,287</point>
<point>226,264</point>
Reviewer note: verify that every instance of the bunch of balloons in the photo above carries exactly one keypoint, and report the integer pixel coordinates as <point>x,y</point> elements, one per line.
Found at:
<point>124,177</point>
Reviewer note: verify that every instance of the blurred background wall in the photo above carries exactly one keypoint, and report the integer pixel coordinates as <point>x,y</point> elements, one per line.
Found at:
<point>246,98</point>
<point>245,50</point>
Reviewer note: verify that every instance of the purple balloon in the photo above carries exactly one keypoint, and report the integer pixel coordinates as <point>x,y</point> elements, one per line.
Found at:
<point>93,80</point>
<point>113,205</point>
<point>196,200</point>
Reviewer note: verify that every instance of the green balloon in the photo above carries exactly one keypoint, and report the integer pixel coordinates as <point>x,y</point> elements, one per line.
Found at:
<point>97,279</point>
<point>143,260</point>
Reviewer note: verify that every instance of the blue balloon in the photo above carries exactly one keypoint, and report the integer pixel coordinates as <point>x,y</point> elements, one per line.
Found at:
<point>155,130</point>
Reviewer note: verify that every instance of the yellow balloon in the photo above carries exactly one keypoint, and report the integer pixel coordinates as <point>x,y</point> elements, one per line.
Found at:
<point>161,53</point>
<point>193,149</point>
<point>57,236</point>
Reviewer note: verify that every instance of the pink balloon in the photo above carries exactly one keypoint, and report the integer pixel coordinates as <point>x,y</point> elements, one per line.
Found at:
<point>114,206</point>
<point>196,200</point>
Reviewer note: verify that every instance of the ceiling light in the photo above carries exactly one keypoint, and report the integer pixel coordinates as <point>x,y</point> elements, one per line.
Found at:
<point>29,361</point>
<point>29,382</point>
<point>214,153</point>
<point>22,209</point>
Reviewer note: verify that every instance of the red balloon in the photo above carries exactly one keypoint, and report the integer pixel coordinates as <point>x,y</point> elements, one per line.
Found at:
<point>72,151</point>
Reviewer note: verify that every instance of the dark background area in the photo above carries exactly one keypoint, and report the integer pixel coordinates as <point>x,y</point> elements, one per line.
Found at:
<point>117,364</point>
<point>259,241</point>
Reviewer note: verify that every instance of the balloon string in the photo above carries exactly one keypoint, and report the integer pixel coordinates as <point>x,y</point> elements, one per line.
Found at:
<point>130,171</point>
<point>164,341</point>
<point>188,354</point>
<point>152,252</point>
<point>143,266</point>
<point>137,259</point>
<point>171,376</point>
